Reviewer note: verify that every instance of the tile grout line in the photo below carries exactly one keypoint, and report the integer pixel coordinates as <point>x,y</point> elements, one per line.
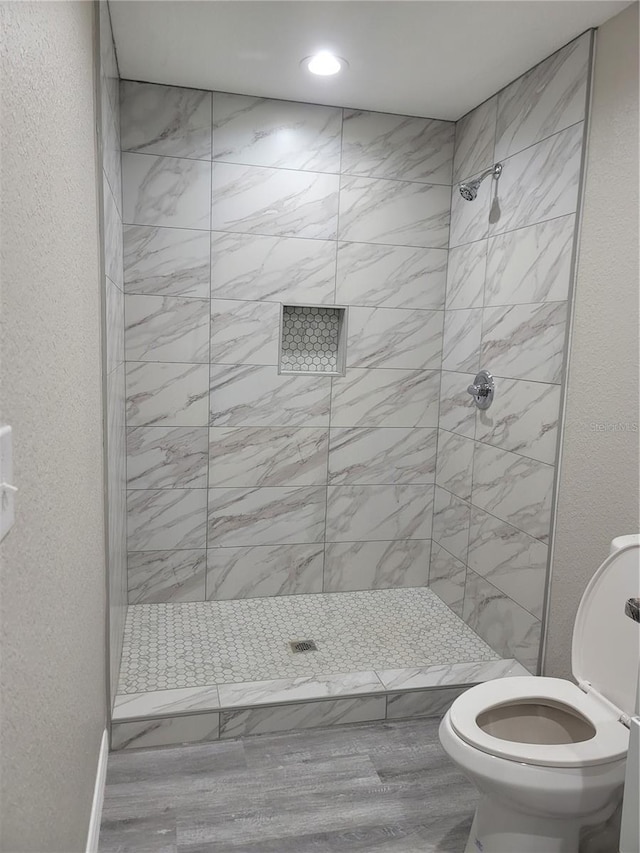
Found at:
<point>209,397</point>
<point>214,161</point>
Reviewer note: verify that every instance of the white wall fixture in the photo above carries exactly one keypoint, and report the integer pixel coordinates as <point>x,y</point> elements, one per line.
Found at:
<point>7,488</point>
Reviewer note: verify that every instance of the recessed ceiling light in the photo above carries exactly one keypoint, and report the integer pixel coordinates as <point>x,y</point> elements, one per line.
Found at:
<point>324,63</point>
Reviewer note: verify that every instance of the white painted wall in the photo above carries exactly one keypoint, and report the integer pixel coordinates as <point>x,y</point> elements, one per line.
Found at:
<point>598,491</point>
<point>52,578</point>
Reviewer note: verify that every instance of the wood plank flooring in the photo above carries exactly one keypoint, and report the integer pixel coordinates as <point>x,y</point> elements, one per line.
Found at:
<point>376,788</point>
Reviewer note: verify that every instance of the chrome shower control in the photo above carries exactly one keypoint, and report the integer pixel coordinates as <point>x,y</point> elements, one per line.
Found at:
<point>483,389</point>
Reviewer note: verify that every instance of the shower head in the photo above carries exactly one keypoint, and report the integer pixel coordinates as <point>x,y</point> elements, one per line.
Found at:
<point>469,191</point>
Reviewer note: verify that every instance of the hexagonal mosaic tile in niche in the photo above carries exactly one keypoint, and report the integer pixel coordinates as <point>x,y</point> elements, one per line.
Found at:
<point>312,339</point>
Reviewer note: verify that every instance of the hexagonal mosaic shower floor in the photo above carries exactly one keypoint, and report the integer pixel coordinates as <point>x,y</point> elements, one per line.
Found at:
<point>202,643</point>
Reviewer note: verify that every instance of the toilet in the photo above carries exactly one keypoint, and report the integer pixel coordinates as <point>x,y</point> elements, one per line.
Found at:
<point>547,755</point>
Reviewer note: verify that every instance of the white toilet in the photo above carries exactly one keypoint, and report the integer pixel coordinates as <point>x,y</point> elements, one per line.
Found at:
<point>548,756</point>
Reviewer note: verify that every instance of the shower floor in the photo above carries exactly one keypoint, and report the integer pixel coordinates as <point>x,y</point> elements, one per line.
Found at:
<point>215,669</point>
<point>196,644</point>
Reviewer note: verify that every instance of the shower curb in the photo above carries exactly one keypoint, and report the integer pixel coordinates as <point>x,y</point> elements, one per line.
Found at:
<point>202,714</point>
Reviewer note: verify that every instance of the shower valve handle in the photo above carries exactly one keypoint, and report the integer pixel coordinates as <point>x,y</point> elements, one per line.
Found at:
<point>482,389</point>
<point>478,390</point>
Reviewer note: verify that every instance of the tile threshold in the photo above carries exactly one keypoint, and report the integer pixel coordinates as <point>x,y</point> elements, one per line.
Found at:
<point>173,702</point>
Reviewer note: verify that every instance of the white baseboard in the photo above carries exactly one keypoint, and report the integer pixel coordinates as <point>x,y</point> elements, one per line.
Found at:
<point>98,796</point>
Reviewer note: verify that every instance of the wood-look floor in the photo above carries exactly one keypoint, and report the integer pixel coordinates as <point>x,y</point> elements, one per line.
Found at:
<point>377,788</point>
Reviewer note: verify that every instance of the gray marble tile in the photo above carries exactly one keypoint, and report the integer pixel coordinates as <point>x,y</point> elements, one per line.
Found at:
<point>264,570</point>
<point>167,394</point>
<point>116,438</point>
<point>113,263</point>
<point>110,126</point>
<point>475,139</point>
<point>264,132</point>
<point>244,332</point>
<point>117,516</point>
<point>514,488</point>
<point>376,565</point>
<point>166,191</point>
<point>382,455</point>
<point>470,219</point>
<point>114,300</point>
<point>167,457</point>
<point>165,120</point>
<point>422,703</point>
<point>108,64</point>
<point>249,395</point>
<point>530,264</point>
<point>394,338</point>
<point>412,678</point>
<point>525,341</point>
<point>447,578</point>
<point>509,559</point>
<point>382,145</point>
<point>466,275</point>
<point>157,703</point>
<point>166,328</point>
<point>457,408</point>
<point>451,523</point>
<point>164,731</point>
<point>301,716</point>
<point>503,624</point>
<point>276,202</point>
<point>164,519</point>
<point>370,513</point>
<point>394,398</point>
<point>266,516</point>
<point>374,210</point>
<point>549,98</point>
<point>166,261</point>
<point>156,577</point>
<point>540,182</point>
<point>281,690</point>
<point>390,276</point>
<point>523,418</point>
<point>268,456</point>
<point>461,342</point>
<point>455,463</point>
<point>282,269</point>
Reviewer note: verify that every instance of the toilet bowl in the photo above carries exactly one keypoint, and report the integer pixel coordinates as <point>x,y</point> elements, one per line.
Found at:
<point>548,756</point>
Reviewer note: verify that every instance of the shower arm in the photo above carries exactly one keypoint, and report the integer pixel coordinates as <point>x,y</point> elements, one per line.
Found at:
<point>496,171</point>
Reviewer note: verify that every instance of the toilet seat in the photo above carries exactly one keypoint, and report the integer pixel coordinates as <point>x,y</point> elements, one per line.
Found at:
<point>609,743</point>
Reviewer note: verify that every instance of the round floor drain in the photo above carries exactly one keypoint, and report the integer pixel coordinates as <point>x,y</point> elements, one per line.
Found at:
<point>303,646</point>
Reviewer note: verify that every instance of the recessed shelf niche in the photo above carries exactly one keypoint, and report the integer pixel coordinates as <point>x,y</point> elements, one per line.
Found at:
<point>313,339</point>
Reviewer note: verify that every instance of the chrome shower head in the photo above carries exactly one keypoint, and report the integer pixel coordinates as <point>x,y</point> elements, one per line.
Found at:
<point>470,191</point>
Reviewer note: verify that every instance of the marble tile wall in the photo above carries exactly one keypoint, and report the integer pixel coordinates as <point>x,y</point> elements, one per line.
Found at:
<point>243,482</point>
<point>506,308</point>
<point>114,379</point>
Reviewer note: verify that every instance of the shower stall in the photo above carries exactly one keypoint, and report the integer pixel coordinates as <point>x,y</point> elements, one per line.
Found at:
<point>310,519</point>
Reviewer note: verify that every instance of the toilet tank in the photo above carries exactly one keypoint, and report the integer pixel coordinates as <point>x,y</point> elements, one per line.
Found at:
<point>622,542</point>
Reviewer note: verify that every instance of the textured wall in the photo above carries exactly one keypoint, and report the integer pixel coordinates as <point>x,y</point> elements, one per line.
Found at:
<point>598,492</point>
<point>115,437</point>
<point>52,582</point>
<point>270,484</point>
<point>506,305</point>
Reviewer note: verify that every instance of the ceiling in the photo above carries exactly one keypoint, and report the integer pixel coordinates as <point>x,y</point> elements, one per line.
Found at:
<point>435,58</point>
